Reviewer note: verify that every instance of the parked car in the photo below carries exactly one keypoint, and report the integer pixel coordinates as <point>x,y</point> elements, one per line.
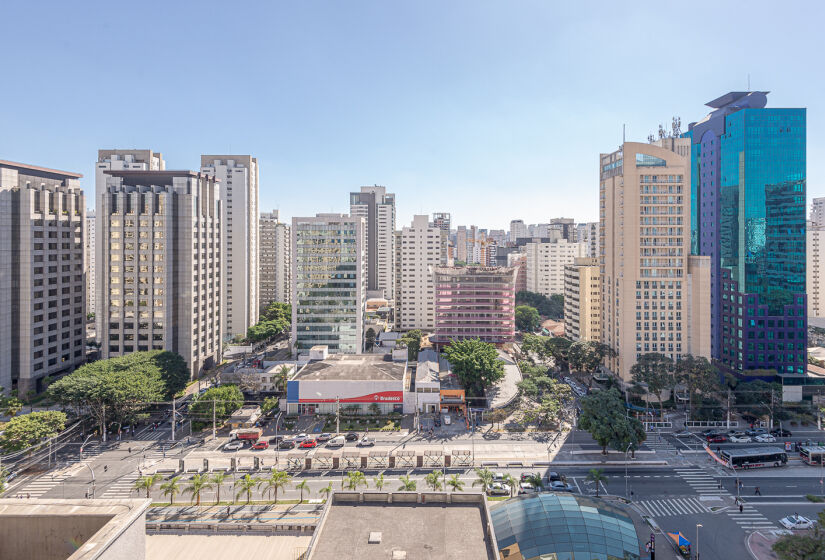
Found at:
<point>324,437</point>
<point>275,440</point>
<point>526,488</point>
<point>498,477</point>
<point>779,432</point>
<point>300,437</point>
<point>498,489</point>
<point>233,446</point>
<point>683,434</point>
<point>286,444</point>
<point>765,438</point>
<point>337,441</point>
<point>711,433</point>
<point>352,436</point>
<point>719,438</point>
<point>553,476</point>
<point>366,442</point>
<point>260,444</point>
<point>796,521</point>
<point>740,439</point>
<point>559,486</point>
<point>736,433</point>
<point>525,476</point>
<point>308,444</point>
<point>756,431</point>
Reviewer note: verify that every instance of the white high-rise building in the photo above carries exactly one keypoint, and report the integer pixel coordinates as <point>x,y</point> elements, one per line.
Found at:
<point>815,270</point>
<point>42,284</point>
<point>238,177</point>
<point>159,265</point>
<point>377,207</point>
<point>818,212</point>
<point>517,230</point>
<point>546,262</point>
<point>329,283</point>
<point>90,262</point>
<point>275,260</point>
<point>442,221</point>
<point>461,244</point>
<point>419,255</point>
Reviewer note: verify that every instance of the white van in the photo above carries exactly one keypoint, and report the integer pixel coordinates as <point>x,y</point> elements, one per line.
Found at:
<point>337,441</point>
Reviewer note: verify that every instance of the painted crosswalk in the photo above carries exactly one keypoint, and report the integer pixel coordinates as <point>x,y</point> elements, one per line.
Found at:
<point>751,519</point>
<point>672,506</point>
<point>701,482</point>
<point>43,484</point>
<point>124,487</point>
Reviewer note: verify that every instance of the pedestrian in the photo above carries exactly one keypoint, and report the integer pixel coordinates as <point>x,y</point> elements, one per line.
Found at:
<point>756,492</point>
<point>105,468</point>
<point>28,496</point>
<point>741,508</point>
<point>129,450</point>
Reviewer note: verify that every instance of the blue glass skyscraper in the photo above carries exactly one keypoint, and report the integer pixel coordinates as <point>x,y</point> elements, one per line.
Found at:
<point>748,215</point>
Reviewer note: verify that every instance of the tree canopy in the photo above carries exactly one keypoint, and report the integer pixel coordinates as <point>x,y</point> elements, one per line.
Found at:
<point>552,307</point>
<point>24,431</point>
<point>700,378</point>
<point>809,545</point>
<point>475,363</point>
<point>527,318</point>
<point>587,355</point>
<point>114,390</point>
<point>274,320</point>
<point>604,416</point>
<point>413,341</point>
<point>228,398</point>
<point>555,347</point>
<point>656,371</point>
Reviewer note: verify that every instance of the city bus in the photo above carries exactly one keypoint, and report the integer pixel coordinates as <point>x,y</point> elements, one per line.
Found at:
<point>812,454</point>
<point>754,457</point>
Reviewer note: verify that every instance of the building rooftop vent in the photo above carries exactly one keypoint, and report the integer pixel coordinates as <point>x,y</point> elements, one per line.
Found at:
<point>375,537</point>
<point>399,555</point>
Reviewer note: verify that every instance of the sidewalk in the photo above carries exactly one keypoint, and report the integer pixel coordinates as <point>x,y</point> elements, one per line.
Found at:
<point>759,546</point>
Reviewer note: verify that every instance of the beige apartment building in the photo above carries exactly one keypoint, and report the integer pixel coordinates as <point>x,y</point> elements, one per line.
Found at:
<point>275,260</point>
<point>239,180</point>
<point>419,254</point>
<point>815,269</point>
<point>545,264</point>
<point>644,210</point>
<point>42,280</point>
<point>159,265</point>
<point>582,300</point>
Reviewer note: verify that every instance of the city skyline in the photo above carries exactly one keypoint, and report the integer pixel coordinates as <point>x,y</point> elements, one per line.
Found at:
<point>431,101</point>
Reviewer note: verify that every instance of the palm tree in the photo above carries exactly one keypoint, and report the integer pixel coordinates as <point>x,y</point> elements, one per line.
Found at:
<point>147,482</point>
<point>302,486</point>
<point>355,479</point>
<point>198,484</point>
<point>511,483</point>
<point>407,484</point>
<point>217,480</point>
<point>597,476</point>
<point>484,478</point>
<point>454,483</point>
<point>433,480</point>
<point>536,481</point>
<point>277,480</point>
<point>326,491</point>
<point>283,372</point>
<point>171,489</point>
<point>245,484</point>
<point>379,481</point>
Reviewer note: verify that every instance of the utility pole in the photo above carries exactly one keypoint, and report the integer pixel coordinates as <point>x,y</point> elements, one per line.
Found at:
<point>104,424</point>
<point>213,419</point>
<point>173,418</point>
<point>337,415</point>
<point>728,417</point>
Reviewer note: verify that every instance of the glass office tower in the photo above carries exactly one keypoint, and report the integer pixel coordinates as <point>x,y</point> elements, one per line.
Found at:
<point>748,214</point>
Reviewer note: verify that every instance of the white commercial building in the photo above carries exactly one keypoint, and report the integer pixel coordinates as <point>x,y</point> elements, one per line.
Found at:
<point>329,282</point>
<point>517,230</point>
<point>377,207</point>
<point>42,283</point>
<point>90,262</point>
<point>275,259</point>
<point>159,265</point>
<point>420,253</point>
<point>815,270</point>
<point>546,262</point>
<point>238,177</point>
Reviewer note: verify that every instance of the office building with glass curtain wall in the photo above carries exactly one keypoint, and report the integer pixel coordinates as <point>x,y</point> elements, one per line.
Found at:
<point>329,283</point>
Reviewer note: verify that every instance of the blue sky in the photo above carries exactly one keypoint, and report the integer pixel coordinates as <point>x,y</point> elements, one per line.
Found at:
<point>488,110</point>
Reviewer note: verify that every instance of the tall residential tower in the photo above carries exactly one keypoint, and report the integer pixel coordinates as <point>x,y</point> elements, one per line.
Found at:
<point>275,260</point>
<point>377,207</point>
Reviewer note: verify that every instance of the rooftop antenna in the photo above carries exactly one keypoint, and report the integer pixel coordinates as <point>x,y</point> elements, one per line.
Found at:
<point>623,135</point>
<point>749,82</point>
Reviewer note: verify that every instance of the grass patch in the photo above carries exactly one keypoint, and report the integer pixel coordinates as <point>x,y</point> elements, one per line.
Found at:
<point>815,499</point>
<point>497,498</point>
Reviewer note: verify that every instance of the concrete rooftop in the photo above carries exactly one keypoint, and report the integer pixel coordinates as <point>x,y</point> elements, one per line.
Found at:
<point>353,367</point>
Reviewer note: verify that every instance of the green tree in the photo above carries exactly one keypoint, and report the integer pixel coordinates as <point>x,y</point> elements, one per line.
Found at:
<point>355,479</point>
<point>551,406</point>
<point>217,480</point>
<point>245,485</point>
<point>4,476</point>
<point>228,398</point>
<point>552,307</point>
<point>484,478</point>
<point>277,480</point>
<point>809,545</point>
<point>302,486</point>
<point>536,481</point>
<point>597,476</point>
<point>171,489</point>
<point>270,404</point>
<point>603,416</point>
<point>147,483</point>
<point>497,416</point>
<point>527,318</point>
<point>407,484</point>
<point>198,484</point>
<point>654,372</point>
<point>412,339</point>
<point>275,320</point>
<point>455,484</point>
<point>587,355</point>
<point>511,483</point>
<point>10,405</point>
<point>433,480</point>
<point>369,339</point>
<point>379,481</point>
<point>558,348</point>
<point>24,431</point>
<point>326,491</point>
<point>699,376</point>
<point>475,363</point>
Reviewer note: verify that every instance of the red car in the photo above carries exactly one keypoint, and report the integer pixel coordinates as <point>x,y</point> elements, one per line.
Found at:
<point>717,439</point>
<point>309,443</point>
<point>261,444</point>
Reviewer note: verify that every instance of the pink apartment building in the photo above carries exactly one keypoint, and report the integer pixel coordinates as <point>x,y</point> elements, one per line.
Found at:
<point>474,302</point>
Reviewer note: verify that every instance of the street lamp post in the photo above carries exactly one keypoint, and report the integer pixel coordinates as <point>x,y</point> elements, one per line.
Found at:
<point>629,445</point>
<point>697,540</point>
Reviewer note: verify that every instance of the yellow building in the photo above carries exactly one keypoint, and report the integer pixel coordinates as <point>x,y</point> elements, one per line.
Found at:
<point>582,300</point>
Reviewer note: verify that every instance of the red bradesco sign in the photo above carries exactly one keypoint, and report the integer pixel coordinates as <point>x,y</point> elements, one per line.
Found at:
<point>382,396</point>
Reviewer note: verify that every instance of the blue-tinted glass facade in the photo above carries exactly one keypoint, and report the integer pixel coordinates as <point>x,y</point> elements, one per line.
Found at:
<point>748,210</point>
